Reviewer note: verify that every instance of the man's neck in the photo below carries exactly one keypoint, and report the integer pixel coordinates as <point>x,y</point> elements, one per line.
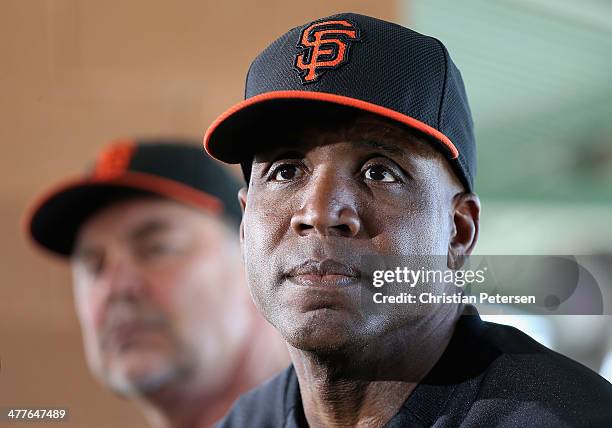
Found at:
<point>367,387</point>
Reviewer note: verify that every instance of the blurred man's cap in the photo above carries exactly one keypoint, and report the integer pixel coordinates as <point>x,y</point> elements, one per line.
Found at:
<point>357,62</point>
<point>177,170</point>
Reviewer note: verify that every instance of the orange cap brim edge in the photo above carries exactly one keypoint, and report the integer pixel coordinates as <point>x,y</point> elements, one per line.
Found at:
<point>170,189</point>
<point>329,98</point>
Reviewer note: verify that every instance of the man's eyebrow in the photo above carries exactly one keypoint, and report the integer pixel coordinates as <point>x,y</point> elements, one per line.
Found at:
<point>82,252</point>
<point>141,232</point>
<point>149,228</point>
<point>280,154</point>
<point>382,146</point>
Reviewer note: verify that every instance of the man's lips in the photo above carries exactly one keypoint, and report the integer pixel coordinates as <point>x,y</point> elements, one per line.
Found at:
<point>326,273</point>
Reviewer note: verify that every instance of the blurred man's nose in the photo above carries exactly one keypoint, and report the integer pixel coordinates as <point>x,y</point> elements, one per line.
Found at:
<point>124,277</point>
<point>328,207</point>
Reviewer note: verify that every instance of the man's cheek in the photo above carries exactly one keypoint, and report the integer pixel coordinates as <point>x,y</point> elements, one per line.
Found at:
<point>256,242</point>
<point>90,320</point>
<point>420,235</point>
<point>90,311</point>
<point>258,278</point>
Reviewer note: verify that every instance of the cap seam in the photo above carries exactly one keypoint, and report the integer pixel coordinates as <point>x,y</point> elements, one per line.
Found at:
<point>460,158</point>
<point>443,92</point>
<point>246,81</point>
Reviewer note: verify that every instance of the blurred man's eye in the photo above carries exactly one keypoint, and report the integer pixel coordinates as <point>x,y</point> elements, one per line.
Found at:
<point>92,265</point>
<point>152,249</point>
<point>379,173</point>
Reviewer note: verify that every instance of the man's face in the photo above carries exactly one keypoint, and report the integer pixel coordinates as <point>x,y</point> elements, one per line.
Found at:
<point>358,188</point>
<point>153,281</point>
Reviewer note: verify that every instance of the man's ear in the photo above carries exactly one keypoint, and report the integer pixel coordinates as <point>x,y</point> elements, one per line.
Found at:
<point>465,228</point>
<point>242,200</point>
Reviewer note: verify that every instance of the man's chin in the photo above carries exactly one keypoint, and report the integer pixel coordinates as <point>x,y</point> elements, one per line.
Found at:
<point>140,372</point>
<point>323,331</point>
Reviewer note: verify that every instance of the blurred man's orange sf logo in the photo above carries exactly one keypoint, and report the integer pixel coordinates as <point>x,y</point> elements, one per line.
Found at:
<point>325,46</point>
<point>114,160</point>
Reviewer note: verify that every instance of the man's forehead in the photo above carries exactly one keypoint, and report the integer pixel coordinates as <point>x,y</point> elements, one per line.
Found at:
<point>128,215</point>
<point>107,228</point>
<point>140,217</point>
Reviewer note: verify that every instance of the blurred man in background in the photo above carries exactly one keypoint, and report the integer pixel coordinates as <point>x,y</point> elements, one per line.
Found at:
<point>151,236</point>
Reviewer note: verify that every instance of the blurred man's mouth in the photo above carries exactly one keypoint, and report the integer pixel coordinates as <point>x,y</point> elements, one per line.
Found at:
<point>327,273</point>
<point>132,335</point>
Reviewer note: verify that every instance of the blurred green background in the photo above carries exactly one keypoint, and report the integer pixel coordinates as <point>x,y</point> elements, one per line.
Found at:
<point>539,78</point>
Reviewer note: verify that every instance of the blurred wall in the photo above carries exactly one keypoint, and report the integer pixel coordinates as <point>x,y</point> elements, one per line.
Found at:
<point>74,74</point>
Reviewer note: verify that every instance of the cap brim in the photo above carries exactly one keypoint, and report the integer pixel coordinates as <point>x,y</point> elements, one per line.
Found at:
<point>55,218</point>
<point>233,136</point>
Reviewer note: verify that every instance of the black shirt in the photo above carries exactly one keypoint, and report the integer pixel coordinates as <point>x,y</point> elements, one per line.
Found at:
<point>490,375</point>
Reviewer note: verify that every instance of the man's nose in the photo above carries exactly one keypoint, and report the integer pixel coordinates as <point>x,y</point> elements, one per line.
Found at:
<point>124,278</point>
<point>328,208</point>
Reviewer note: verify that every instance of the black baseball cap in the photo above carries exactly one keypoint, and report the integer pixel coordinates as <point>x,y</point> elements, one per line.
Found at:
<point>173,169</point>
<point>357,62</point>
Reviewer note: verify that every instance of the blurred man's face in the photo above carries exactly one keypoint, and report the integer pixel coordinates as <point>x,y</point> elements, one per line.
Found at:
<point>158,294</point>
<point>334,193</point>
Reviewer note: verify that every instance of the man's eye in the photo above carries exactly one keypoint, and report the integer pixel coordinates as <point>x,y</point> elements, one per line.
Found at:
<point>93,266</point>
<point>285,172</point>
<point>379,173</point>
<point>156,249</point>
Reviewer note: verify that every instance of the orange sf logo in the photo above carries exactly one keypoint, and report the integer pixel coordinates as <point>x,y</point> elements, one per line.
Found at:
<point>114,160</point>
<point>325,46</point>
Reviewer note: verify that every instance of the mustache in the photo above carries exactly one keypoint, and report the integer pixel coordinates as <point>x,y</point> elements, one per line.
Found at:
<point>323,267</point>
<point>331,256</point>
<point>124,314</point>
